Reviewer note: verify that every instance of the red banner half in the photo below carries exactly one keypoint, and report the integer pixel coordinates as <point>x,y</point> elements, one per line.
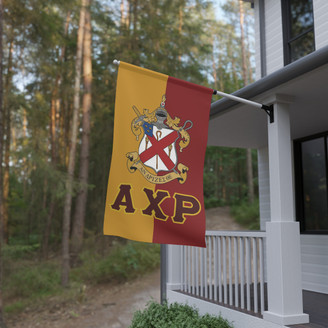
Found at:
<point>191,104</point>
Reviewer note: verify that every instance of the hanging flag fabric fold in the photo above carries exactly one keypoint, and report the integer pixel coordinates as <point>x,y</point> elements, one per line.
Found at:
<point>155,185</point>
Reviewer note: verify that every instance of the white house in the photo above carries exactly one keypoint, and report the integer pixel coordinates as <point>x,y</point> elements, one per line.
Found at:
<point>279,276</point>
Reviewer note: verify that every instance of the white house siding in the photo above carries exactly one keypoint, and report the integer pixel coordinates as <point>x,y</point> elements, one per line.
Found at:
<point>320,13</point>
<point>273,36</point>
<point>314,257</point>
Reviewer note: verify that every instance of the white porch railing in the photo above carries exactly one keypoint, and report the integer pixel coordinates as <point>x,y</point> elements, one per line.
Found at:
<point>230,270</point>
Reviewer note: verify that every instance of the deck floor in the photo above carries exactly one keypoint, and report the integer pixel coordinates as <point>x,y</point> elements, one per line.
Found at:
<point>314,304</point>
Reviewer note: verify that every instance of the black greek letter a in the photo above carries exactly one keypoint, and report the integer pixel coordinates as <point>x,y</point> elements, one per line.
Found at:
<point>123,198</point>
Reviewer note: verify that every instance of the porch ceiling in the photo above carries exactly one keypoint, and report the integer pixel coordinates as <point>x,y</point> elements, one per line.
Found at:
<point>246,127</point>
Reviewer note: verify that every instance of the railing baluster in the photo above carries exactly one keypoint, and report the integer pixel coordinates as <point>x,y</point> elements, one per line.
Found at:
<point>193,283</point>
<point>235,245</point>
<point>248,274</point>
<point>242,272</point>
<point>185,267</point>
<point>181,268</point>
<point>205,271</point>
<point>230,273</point>
<point>255,275</point>
<point>220,268</point>
<point>210,267</point>
<point>261,274</point>
<point>215,246</point>
<point>189,269</point>
<point>224,251</point>
<point>202,272</point>
<point>197,270</point>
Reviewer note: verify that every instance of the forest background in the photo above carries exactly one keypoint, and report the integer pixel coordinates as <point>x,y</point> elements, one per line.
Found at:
<point>56,125</point>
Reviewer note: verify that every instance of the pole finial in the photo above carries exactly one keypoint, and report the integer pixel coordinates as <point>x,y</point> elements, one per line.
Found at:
<point>116,62</point>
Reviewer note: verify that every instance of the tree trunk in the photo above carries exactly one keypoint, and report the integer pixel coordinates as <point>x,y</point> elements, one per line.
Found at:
<point>72,152</point>
<point>135,37</point>
<point>221,79</point>
<point>180,26</point>
<point>249,165</point>
<point>128,18</point>
<point>123,15</point>
<point>214,69</point>
<point>54,110</point>
<point>233,65</point>
<point>248,54</point>
<point>79,215</point>
<point>2,322</point>
<point>53,122</point>
<point>47,230</point>
<point>242,42</point>
<point>7,129</point>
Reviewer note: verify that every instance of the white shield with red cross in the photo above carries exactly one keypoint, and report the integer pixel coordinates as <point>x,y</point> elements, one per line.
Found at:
<point>157,148</point>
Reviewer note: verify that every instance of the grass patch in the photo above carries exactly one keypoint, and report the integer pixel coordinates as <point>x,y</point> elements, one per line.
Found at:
<point>27,281</point>
<point>175,315</point>
<point>15,307</point>
<point>121,264</point>
<point>33,281</point>
<point>247,214</point>
<point>17,252</point>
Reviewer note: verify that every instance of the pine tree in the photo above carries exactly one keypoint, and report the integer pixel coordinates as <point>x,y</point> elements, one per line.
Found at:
<point>72,152</point>
<point>2,323</point>
<point>81,201</point>
<point>249,166</point>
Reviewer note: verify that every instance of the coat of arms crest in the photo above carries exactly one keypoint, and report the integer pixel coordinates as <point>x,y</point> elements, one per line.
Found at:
<point>157,154</point>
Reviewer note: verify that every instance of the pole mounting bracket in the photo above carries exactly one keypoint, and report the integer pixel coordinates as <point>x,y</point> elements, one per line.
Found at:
<point>269,110</point>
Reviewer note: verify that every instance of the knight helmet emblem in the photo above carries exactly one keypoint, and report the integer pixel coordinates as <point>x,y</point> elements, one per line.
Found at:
<point>157,152</point>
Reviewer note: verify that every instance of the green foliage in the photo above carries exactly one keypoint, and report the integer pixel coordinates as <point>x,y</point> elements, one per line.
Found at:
<point>124,262</point>
<point>211,202</point>
<point>247,214</point>
<point>32,281</point>
<point>15,307</point>
<point>175,315</point>
<point>225,179</point>
<point>16,252</point>
<point>26,279</point>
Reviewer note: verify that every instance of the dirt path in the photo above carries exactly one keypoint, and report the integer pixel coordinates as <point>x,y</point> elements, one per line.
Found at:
<point>219,218</point>
<point>110,306</point>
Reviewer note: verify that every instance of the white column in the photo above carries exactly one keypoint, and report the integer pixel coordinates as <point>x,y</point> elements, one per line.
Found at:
<point>285,303</point>
<point>173,267</point>
<point>264,186</point>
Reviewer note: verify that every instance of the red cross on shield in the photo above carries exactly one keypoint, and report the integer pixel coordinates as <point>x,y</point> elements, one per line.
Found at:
<point>157,149</point>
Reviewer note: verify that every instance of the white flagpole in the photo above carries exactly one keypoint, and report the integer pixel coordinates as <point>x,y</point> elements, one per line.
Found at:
<point>242,100</point>
<point>268,109</point>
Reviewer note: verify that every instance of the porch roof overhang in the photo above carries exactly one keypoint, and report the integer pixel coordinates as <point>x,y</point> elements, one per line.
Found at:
<point>306,80</point>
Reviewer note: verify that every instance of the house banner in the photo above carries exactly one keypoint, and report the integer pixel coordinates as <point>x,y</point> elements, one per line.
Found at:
<point>155,186</point>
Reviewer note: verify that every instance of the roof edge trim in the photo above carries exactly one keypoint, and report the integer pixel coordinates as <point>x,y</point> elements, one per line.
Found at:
<point>289,72</point>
